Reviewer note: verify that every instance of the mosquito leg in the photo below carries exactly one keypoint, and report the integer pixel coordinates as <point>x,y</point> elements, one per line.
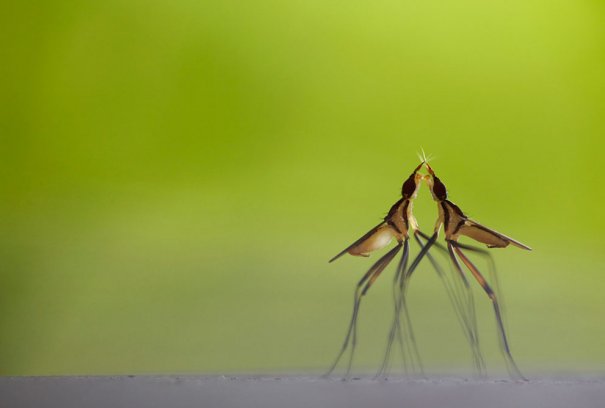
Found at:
<point>410,330</point>
<point>418,258</point>
<point>345,344</point>
<point>492,272</point>
<point>454,297</point>
<point>401,278</point>
<point>471,319</point>
<point>426,237</point>
<point>435,264</point>
<point>396,326</point>
<point>463,309</point>
<point>356,300</point>
<point>386,260</point>
<point>456,302</point>
<point>402,306</point>
<point>491,294</point>
<point>445,251</point>
<point>401,340</point>
<point>360,290</point>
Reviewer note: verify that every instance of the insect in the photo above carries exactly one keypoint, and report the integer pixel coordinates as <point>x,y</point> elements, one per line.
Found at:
<point>396,225</point>
<point>455,224</point>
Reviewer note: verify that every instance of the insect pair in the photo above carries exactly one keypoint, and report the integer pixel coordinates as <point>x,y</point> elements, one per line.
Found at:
<point>399,224</point>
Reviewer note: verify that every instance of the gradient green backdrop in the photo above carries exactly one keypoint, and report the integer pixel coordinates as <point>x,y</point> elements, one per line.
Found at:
<point>175,175</point>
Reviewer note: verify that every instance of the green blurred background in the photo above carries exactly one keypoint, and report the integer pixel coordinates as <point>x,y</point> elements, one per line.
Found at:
<point>175,175</point>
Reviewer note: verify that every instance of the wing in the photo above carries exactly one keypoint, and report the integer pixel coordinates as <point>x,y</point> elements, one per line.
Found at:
<point>487,236</point>
<point>376,238</point>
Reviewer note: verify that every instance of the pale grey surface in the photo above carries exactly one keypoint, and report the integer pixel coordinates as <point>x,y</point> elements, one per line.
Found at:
<point>297,391</point>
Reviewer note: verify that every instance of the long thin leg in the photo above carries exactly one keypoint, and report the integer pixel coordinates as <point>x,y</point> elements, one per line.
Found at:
<point>467,287</point>
<point>419,257</point>
<point>435,264</point>
<point>452,295</point>
<point>401,339</point>
<point>425,236</point>
<point>396,326</point>
<point>466,313</point>
<point>368,279</point>
<point>403,283</point>
<point>492,295</point>
<point>414,353</point>
<point>400,306</point>
<point>492,272</point>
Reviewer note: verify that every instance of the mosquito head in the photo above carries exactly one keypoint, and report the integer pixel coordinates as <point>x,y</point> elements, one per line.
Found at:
<point>410,186</point>
<point>437,187</point>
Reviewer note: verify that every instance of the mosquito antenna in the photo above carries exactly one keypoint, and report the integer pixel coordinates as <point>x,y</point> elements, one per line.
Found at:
<point>423,157</point>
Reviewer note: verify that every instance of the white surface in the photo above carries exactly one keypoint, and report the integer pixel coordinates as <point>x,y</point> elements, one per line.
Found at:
<point>296,391</point>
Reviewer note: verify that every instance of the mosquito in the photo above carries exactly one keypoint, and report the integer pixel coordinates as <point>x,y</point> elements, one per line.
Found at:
<point>396,225</point>
<point>456,224</point>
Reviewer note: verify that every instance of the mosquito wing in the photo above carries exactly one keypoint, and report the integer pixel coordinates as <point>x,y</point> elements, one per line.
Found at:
<point>487,236</point>
<point>376,238</point>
